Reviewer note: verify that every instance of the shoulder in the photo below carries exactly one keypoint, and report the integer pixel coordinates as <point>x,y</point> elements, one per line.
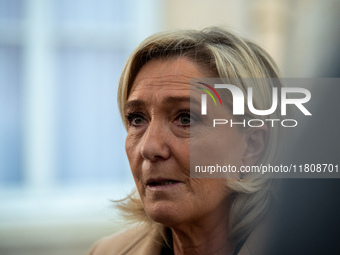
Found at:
<point>136,240</point>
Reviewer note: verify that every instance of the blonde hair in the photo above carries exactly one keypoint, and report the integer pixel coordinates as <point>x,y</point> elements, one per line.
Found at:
<point>225,55</point>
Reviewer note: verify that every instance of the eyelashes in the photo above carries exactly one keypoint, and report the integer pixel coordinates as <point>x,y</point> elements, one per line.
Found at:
<point>182,118</point>
<point>135,119</point>
<point>185,118</point>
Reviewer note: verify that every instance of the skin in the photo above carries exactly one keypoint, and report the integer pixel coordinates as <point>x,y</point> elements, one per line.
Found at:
<point>158,149</point>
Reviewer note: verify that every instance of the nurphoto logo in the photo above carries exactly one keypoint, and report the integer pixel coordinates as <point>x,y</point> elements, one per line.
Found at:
<point>238,105</point>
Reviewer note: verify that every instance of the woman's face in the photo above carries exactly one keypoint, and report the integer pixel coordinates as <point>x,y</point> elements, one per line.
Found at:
<point>158,146</point>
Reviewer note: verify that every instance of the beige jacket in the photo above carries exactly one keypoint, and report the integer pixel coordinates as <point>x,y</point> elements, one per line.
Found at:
<point>136,241</point>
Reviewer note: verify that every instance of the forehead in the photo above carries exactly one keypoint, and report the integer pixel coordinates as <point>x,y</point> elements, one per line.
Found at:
<point>166,75</point>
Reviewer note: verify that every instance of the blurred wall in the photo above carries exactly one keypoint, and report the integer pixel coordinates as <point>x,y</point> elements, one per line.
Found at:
<point>301,35</point>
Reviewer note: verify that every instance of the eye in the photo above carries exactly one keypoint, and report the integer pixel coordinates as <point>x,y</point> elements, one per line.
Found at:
<point>135,119</point>
<point>184,118</point>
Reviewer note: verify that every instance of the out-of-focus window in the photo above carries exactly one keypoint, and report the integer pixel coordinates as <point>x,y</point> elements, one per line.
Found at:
<point>60,63</point>
<point>10,115</point>
<point>11,14</point>
<point>61,139</point>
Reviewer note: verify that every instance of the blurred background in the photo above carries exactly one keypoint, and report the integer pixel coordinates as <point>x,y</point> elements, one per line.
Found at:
<point>62,154</point>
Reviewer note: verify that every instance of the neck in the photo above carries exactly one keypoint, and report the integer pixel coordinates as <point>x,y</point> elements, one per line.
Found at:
<point>208,236</point>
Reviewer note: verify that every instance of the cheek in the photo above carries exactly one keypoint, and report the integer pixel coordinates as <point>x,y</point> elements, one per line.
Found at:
<point>230,146</point>
<point>131,149</point>
<point>132,145</point>
<point>181,154</point>
<point>128,147</point>
<point>210,193</point>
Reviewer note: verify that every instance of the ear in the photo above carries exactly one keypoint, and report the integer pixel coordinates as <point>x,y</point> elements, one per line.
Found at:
<point>256,140</point>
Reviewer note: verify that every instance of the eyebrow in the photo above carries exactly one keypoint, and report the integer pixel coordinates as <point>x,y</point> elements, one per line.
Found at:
<point>177,100</point>
<point>133,104</point>
<point>169,100</point>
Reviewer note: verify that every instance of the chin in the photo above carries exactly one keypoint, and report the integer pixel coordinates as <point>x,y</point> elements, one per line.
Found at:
<point>165,213</point>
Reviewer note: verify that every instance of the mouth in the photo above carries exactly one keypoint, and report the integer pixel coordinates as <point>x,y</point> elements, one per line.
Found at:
<point>158,184</point>
<point>161,183</point>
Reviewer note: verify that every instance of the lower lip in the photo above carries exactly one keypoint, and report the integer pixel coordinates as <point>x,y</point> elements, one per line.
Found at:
<point>164,187</point>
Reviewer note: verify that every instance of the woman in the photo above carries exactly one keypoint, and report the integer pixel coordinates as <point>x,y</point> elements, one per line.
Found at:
<point>179,214</point>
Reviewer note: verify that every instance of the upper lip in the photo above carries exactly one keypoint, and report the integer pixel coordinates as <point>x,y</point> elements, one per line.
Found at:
<point>160,179</point>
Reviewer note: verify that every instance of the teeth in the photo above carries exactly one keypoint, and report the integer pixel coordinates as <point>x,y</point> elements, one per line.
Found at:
<point>166,183</point>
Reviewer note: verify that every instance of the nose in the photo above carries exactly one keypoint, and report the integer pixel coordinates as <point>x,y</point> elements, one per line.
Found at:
<point>155,142</point>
